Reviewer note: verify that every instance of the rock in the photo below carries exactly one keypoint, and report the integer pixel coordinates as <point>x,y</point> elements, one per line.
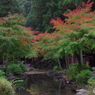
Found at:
<point>81,92</point>
<point>11,77</point>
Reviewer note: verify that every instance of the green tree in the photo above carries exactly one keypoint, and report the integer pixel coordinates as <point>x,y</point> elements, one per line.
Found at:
<point>15,40</point>
<point>72,36</point>
<point>75,2</point>
<point>8,6</point>
<point>78,31</point>
<point>41,13</point>
<point>25,6</point>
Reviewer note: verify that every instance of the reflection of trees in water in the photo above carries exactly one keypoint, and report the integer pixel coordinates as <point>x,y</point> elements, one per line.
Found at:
<point>36,90</point>
<point>44,85</point>
<point>21,85</point>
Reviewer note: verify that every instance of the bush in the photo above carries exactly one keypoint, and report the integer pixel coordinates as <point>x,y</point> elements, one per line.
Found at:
<point>83,76</point>
<point>86,67</point>
<point>15,69</point>
<point>77,76</point>
<point>6,87</point>
<point>72,71</point>
<point>91,80</point>
<point>22,67</point>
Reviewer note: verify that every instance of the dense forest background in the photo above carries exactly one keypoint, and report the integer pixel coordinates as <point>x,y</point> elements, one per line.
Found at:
<point>38,13</point>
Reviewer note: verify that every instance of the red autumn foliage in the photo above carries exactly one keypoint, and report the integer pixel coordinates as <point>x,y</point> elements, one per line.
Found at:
<point>77,18</point>
<point>30,29</point>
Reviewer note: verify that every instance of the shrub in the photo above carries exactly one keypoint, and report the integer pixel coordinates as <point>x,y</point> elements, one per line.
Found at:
<point>6,87</point>
<point>77,76</point>
<point>17,70</point>
<point>72,71</point>
<point>83,76</point>
<point>86,67</point>
<point>22,67</point>
<point>13,69</point>
<point>91,80</point>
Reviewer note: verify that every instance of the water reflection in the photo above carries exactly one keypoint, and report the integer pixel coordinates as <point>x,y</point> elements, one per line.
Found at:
<point>42,85</point>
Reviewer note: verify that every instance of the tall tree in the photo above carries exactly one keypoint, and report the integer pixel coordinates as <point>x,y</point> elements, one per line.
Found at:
<point>71,36</point>
<point>41,12</point>
<point>78,30</point>
<point>25,6</point>
<point>15,40</point>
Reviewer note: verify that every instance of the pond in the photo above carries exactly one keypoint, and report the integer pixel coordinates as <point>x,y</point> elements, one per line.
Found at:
<point>42,85</point>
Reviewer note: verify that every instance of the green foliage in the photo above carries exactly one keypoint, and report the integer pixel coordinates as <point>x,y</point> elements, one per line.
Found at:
<point>15,69</point>
<point>74,2</point>
<point>91,86</point>
<point>72,36</point>
<point>2,74</point>
<point>39,13</point>
<point>77,32</point>
<point>8,6</point>
<point>86,67</point>
<point>83,76</point>
<point>77,76</point>
<point>21,65</point>
<point>72,71</point>
<point>19,83</point>
<point>55,68</point>
<point>6,87</point>
<point>91,80</point>
<point>56,80</point>
<point>15,37</point>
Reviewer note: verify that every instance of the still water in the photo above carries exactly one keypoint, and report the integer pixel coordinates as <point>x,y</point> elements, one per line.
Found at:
<point>42,85</point>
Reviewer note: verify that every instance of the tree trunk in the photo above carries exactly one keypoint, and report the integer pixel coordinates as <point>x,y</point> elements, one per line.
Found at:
<point>66,62</point>
<point>72,60</point>
<point>80,59</point>
<point>6,62</point>
<point>59,64</point>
